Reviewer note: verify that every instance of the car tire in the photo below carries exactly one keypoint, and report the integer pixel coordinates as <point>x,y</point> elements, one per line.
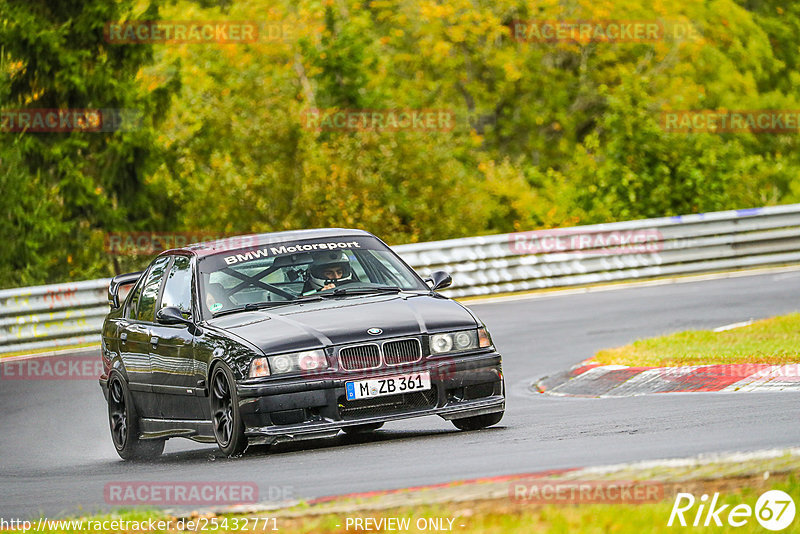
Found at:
<point>360,429</point>
<point>225,415</point>
<point>478,422</point>
<point>124,424</point>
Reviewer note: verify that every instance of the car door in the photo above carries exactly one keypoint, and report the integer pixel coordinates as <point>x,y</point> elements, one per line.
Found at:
<point>132,351</point>
<point>171,347</point>
<point>135,338</point>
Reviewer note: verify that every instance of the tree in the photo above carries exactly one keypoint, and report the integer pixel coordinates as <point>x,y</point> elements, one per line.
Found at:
<point>55,56</point>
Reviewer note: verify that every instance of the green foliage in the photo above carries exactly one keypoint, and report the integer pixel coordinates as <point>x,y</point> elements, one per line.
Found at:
<point>546,134</point>
<point>65,190</point>
<point>31,223</point>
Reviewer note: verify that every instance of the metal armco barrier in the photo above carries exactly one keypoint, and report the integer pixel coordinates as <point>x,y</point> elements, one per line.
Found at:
<point>67,314</point>
<point>52,316</point>
<point>677,245</point>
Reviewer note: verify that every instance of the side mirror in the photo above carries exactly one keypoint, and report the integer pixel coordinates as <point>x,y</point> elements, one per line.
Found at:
<point>171,315</point>
<point>439,280</point>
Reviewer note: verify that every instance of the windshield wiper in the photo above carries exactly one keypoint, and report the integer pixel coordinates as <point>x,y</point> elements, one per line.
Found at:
<point>365,290</point>
<point>253,306</point>
<point>249,307</point>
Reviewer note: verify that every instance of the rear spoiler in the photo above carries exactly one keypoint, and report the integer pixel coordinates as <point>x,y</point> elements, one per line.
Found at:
<point>117,282</point>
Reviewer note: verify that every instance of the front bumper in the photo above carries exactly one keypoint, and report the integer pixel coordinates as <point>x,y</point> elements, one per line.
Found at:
<point>461,386</point>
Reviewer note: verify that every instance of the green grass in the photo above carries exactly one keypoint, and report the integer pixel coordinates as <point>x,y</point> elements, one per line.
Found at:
<point>772,341</point>
<point>501,516</point>
<point>508,516</point>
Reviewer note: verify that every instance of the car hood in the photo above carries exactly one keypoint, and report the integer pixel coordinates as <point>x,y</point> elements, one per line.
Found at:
<point>345,320</point>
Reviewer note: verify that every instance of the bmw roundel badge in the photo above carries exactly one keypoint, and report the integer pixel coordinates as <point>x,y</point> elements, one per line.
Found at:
<point>374,331</point>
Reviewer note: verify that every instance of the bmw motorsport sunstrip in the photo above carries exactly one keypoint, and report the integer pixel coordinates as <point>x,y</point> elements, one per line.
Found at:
<point>299,334</point>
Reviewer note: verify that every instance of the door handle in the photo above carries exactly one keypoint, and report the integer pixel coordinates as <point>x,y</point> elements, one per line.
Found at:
<point>154,341</point>
<point>123,337</point>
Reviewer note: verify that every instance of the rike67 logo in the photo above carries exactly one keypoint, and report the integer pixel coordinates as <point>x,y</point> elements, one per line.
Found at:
<point>774,510</point>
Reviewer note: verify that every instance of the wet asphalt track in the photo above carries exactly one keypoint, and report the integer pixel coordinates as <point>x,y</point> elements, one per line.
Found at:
<point>56,455</point>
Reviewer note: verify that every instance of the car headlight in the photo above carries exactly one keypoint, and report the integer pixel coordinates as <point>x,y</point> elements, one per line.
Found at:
<point>459,341</point>
<point>308,360</point>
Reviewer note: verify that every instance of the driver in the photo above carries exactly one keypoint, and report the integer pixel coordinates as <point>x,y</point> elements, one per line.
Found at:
<point>328,270</point>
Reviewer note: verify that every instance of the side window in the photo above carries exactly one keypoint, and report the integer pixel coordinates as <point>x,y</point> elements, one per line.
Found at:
<point>146,310</point>
<point>130,309</point>
<point>178,287</point>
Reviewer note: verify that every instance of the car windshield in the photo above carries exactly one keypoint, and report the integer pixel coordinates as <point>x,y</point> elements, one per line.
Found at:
<point>310,269</point>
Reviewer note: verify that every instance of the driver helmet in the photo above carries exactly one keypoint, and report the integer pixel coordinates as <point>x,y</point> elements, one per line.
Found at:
<point>328,261</point>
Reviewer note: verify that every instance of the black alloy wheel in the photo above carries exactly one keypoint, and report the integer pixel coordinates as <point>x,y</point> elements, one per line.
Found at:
<point>225,416</point>
<point>124,424</point>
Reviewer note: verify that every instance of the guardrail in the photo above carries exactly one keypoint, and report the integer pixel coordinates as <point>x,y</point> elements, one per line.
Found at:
<point>51,316</point>
<point>68,314</point>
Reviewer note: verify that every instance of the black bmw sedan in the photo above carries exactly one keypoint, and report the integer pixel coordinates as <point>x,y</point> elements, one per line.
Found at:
<point>288,335</point>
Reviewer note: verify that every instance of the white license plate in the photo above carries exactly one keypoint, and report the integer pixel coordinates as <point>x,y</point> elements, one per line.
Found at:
<point>389,385</point>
